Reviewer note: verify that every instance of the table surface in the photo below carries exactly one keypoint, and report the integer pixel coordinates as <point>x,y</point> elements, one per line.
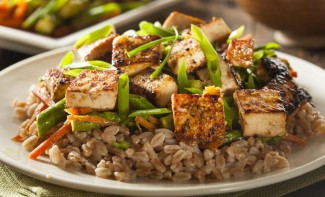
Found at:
<point>234,17</point>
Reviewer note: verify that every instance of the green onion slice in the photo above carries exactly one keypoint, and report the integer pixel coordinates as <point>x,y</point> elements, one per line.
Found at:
<point>236,33</point>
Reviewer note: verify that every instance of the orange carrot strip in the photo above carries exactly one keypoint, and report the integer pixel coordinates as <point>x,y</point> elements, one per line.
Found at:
<point>145,123</point>
<point>43,97</point>
<point>293,73</point>
<point>21,9</point>
<point>295,139</point>
<point>18,138</point>
<point>87,118</point>
<point>153,120</point>
<point>78,110</point>
<point>41,107</point>
<point>40,149</point>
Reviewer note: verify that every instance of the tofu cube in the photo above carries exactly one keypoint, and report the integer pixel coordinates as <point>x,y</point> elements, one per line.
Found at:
<point>240,53</point>
<point>216,30</point>
<point>181,21</point>
<point>261,112</point>
<point>140,61</point>
<point>56,83</point>
<point>96,89</point>
<point>187,50</point>
<point>99,50</point>
<point>158,91</point>
<point>199,119</point>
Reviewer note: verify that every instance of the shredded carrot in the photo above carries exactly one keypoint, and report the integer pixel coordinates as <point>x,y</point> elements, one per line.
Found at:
<point>43,97</point>
<point>78,110</point>
<point>139,120</point>
<point>18,138</point>
<point>40,149</point>
<point>87,118</point>
<point>41,107</point>
<point>153,120</point>
<point>21,10</point>
<point>295,139</point>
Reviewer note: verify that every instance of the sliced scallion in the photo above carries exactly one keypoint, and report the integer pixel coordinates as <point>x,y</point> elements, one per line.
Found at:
<point>148,112</point>
<point>123,96</point>
<point>236,33</point>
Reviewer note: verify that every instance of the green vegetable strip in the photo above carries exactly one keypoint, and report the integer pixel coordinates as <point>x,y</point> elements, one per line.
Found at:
<point>51,7</point>
<point>157,111</point>
<point>149,28</point>
<point>105,9</point>
<point>83,126</point>
<point>229,114</point>
<point>195,90</point>
<point>67,59</point>
<point>123,96</point>
<point>140,102</point>
<point>167,122</point>
<point>149,45</point>
<point>161,66</point>
<point>210,54</point>
<point>94,36</point>
<point>182,79</point>
<point>50,117</point>
<point>111,116</point>
<point>121,145</point>
<point>236,33</point>
<point>250,84</point>
<point>232,136</point>
<point>74,72</point>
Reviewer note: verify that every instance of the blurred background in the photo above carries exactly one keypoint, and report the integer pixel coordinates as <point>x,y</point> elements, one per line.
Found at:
<point>262,19</point>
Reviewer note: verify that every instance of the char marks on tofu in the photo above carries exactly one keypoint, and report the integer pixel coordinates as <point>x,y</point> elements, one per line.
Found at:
<point>99,50</point>
<point>56,83</point>
<point>292,94</point>
<point>240,53</point>
<point>261,112</point>
<point>157,90</point>
<point>189,51</point>
<point>140,61</point>
<point>96,89</point>
<point>199,119</point>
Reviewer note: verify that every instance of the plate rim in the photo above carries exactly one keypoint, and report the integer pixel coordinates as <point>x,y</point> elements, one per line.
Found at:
<point>211,188</point>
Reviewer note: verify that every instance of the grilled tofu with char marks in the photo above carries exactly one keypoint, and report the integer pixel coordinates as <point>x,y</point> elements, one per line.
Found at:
<point>228,79</point>
<point>261,112</point>
<point>99,50</point>
<point>292,94</point>
<point>199,119</point>
<point>140,61</point>
<point>158,91</point>
<point>96,89</point>
<point>240,53</point>
<point>56,83</point>
<point>271,67</point>
<point>187,50</point>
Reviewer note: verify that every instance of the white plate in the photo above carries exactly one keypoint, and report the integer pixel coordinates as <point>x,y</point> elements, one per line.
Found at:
<point>16,80</point>
<point>33,43</point>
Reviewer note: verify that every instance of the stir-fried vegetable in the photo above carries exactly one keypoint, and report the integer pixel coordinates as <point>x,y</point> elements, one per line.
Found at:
<point>67,59</point>
<point>167,122</point>
<point>77,68</point>
<point>94,36</point>
<point>147,112</point>
<point>265,51</point>
<point>123,96</point>
<point>140,102</point>
<point>147,28</point>
<point>150,44</point>
<point>231,136</point>
<point>182,79</point>
<point>161,66</point>
<point>121,145</point>
<point>210,54</point>
<point>236,33</point>
<point>50,117</point>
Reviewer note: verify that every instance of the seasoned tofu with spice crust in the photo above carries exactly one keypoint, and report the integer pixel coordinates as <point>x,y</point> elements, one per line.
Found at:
<point>261,112</point>
<point>158,91</point>
<point>56,83</point>
<point>199,119</point>
<point>187,50</point>
<point>140,61</point>
<point>96,89</point>
<point>240,53</point>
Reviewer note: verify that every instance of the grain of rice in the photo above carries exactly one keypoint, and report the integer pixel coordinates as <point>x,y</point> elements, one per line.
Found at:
<point>30,143</point>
